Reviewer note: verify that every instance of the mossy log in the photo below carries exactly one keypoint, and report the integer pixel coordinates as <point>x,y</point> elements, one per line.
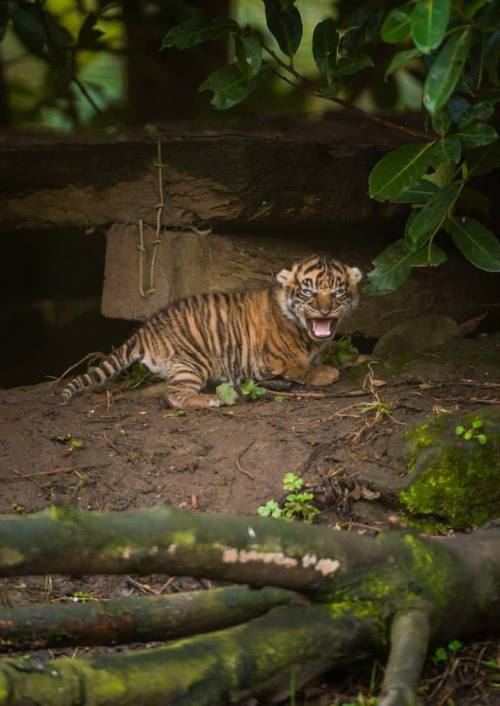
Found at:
<point>396,591</point>
<point>125,620</point>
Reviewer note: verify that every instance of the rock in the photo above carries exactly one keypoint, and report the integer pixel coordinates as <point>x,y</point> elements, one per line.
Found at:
<point>420,333</point>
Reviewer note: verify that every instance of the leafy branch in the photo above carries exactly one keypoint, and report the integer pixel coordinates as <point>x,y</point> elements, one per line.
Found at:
<point>41,32</point>
<point>455,47</point>
<point>311,89</point>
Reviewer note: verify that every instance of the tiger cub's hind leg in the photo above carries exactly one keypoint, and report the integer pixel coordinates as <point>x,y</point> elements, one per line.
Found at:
<point>182,397</point>
<point>183,388</point>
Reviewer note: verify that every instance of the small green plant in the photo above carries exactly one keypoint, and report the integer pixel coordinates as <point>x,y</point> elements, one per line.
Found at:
<point>341,353</point>
<point>270,509</point>
<point>21,509</point>
<point>137,376</point>
<point>70,442</point>
<point>442,654</point>
<point>297,505</point>
<point>226,393</point>
<point>252,390</point>
<point>381,409</point>
<point>81,596</point>
<point>362,701</point>
<point>475,431</point>
<point>83,480</point>
<point>278,398</point>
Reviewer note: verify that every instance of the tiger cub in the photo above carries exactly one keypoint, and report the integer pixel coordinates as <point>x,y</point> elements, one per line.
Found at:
<point>229,337</point>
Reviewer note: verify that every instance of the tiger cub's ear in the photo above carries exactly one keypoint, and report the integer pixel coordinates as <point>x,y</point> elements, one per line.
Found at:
<point>283,276</point>
<point>355,274</point>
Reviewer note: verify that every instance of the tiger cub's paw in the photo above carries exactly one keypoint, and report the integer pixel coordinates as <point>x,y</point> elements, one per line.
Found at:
<point>322,375</point>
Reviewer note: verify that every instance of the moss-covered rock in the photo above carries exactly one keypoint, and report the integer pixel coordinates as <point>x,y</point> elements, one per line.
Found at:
<point>451,477</point>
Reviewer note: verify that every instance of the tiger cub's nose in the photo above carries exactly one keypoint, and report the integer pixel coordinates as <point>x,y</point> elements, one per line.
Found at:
<point>324,304</point>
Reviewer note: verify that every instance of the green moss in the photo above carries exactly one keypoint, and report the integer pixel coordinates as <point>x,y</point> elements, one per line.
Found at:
<point>395,365</point>
<point>454,479</point>
<point>425,525</point>
<point>184,539</point>
<point>430,568</point>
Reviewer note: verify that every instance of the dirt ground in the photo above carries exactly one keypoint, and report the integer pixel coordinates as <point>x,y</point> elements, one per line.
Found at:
<point>120,451</point>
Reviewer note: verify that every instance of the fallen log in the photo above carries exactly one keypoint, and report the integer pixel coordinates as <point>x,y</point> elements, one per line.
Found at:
<point>398,591</point>
<point>125,620</point>
<point>200,671</point>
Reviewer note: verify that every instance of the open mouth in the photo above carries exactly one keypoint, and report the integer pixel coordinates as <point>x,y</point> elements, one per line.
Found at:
<point>321,328</point>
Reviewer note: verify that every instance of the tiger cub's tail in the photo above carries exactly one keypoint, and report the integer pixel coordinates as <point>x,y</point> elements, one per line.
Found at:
<point>107,369</point>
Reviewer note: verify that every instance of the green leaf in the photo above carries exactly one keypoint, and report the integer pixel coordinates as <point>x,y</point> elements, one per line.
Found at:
<point>392,268</point>
<point>291,481</point>
<point>58,33</point>
<point>429,20</point>
<point>251,389</point>
<point>351,65</point>
<point>443,175</point>
<point>476,242</point>
<point>362,25</point>
<point>471,7</point>
<point>429,257</point>
<point>248,54</point>
<point>332,90</point>
<point>477,135</point>
<point>446,70</point>
<point>421,192</point>
<point>324,46</point>
<point>489,17</point>
<point>485,159</point>
<point>28,26</point>
<point>285,24</point>
<point>88,35</point>
<point>197,30</point>
<point>479,111</point>
<point>431,217</point>
<point>459,430</point>
<point>401,59</point>
<point>394,264</point>
<point>448,150</point>
<point>456,106</point>
<point>441,121</point>
<point>396,26</point>
<point>399,170</point>
<point>230,86</point>
<point>226,393</point>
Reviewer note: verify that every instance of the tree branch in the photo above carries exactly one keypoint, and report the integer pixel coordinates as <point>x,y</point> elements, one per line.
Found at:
<point>73,77</point>
<point>311,89</point>
<point>445,588</point>
<point>409,641</point>
<point>142,619</point>
<point>198,671</point>
<point>252,550</point>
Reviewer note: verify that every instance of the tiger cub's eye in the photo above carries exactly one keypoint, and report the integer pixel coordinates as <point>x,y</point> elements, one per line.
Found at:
<point>307,292</point>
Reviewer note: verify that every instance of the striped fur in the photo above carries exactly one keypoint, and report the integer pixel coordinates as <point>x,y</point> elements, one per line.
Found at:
<point>276,331</point>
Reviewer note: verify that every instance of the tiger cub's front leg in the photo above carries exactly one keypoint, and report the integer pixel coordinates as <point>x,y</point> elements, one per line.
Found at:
<point>316,375</point>
<point>322,375</point>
